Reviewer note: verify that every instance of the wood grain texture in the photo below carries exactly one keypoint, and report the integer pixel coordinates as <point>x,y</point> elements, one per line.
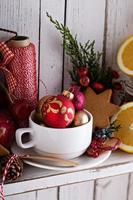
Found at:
<point>51,52</point>
<point>78,191</point>
<point>112,188</point>
<point>130,187</point>
<point>21,16</point>
<point>25,196</point>
<point>86,20</point>
<point>119,27</point>
<point>48,194</point>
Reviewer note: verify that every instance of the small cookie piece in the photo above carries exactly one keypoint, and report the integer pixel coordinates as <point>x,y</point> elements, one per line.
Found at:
<point>100,107</point>
<point>3,151</point>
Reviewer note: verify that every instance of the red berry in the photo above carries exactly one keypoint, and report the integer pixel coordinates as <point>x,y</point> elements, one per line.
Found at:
<point>115,74</point>
<point>82,71</point>
<point>84,81</point>
<point>117,86</point>
<point>98,87</point>
<point>20,110</point>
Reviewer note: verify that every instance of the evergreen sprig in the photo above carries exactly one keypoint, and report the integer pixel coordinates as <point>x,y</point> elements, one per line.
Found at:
<point>107,132</point>
<point>82,55</point>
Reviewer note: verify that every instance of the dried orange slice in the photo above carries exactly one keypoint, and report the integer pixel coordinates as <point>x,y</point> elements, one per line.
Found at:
<point>125,56</point>
<point>125,119</point>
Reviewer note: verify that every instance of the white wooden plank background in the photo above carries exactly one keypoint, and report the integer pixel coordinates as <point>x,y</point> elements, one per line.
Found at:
<point>24,196</point>
<point>86,19</point>
<point>78,191</point>
<point>51,52</point>
<point>112,188</point>
<point>48,194</point>
<point>119,27</point>
<point>130,187</point>
<point>21,16</point>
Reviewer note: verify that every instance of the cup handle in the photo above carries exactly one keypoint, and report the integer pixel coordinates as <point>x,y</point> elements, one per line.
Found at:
<point>19,133</point>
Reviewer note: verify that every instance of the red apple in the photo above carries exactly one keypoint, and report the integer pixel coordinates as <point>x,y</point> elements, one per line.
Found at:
<point>7,130</point>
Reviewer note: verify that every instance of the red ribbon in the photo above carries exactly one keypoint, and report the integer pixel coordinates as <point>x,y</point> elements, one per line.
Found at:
<point>5,58</point>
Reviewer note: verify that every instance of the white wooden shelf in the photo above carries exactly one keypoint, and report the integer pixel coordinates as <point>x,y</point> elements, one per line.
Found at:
<point>37,179</point>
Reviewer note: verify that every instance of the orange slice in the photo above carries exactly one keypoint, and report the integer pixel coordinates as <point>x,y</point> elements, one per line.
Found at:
<point>125,119</point>
<point>125,56</point>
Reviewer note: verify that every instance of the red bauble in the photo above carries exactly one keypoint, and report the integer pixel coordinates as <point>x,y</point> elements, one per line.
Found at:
<point>58,111</point>
<point>82,71</point>
<point>98,87</point>
<point>7,130</point>
<point>79,100</point>
<point>84,81</point>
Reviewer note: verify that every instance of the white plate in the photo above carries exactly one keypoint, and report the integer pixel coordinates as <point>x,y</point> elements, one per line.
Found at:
<point>84,162</point>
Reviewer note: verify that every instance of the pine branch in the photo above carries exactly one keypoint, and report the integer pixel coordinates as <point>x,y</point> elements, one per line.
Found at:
<point>82,55</point>
<point>107,132</point>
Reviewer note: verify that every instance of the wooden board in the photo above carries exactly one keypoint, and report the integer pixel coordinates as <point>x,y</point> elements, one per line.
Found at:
<point>86,20</point>
<point>112,188</point>
<point>130,187</point>
<point>119,27</point>
<point>78,191</point>
<point>25,196</point>
<point>35,179</point>
<point>50,47</point>
<point>48,194</point>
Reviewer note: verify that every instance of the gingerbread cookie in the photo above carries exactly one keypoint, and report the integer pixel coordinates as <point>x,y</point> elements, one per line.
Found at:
<point>100,107</point>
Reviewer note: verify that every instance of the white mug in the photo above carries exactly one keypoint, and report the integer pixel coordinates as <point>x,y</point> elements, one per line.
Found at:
<point>66,143</point>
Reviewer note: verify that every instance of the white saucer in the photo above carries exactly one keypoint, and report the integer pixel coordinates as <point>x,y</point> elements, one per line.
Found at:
<point>84,162</point>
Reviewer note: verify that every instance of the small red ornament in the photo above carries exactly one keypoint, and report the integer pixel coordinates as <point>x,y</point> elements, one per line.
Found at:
<point>98,87</point>
<point>117,86</point>
<point>115,74</point>
<point>58,111</point>
<point>84,81</point>
<point>82,71</point>
<point>79,98</point>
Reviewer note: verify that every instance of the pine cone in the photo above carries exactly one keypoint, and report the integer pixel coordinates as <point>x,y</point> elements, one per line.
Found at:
<point>15,170</point>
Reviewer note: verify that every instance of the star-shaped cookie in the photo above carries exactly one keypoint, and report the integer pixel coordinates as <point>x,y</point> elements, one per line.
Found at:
<point>100,107</point>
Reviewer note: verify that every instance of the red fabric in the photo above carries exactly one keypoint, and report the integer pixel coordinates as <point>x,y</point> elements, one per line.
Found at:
<point>23,67</point>
<point>6,57</point>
